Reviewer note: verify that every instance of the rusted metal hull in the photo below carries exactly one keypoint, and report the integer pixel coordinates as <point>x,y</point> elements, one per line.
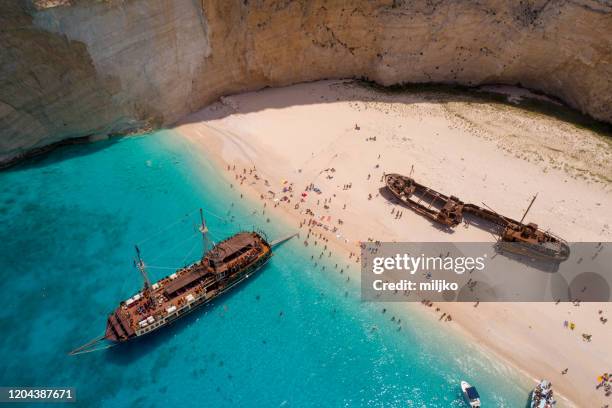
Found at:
<point>425,201</point>
<point>522,239</point>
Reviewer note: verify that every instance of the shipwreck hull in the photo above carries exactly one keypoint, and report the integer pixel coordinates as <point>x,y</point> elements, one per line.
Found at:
<point>425,201</point>
<point>522,239</point>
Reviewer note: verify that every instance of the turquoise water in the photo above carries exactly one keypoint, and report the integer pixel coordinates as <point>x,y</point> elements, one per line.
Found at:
<point>294,336</point>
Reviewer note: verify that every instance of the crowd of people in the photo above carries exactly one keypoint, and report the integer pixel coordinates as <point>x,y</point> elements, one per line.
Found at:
<point>322,230</point>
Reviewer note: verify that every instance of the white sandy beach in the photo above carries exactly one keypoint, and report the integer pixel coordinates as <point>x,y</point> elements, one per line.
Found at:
<point>477,151</point>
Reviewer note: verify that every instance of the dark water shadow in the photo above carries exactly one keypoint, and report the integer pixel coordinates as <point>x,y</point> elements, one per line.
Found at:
<point>65,150</point>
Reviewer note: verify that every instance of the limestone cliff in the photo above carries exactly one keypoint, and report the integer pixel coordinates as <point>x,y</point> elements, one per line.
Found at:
<point>72,68</point>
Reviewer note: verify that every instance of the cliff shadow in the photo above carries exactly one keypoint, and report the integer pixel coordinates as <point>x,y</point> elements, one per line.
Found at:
<point>356,90</point>
<point>362,90</point>
<point>58,152</point>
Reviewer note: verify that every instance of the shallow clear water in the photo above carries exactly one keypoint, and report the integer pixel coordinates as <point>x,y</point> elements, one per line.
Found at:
<point>69,222</point>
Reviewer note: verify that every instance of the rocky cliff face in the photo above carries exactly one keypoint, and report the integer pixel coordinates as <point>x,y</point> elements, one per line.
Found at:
<point>72,68</point>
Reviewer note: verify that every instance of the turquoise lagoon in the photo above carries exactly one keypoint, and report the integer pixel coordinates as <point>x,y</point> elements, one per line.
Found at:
<point>294,336</point>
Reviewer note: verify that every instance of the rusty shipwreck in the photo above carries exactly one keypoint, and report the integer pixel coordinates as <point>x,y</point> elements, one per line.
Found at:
<point>514,236</point>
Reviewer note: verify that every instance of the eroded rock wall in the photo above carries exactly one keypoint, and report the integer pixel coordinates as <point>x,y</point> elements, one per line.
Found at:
<point>84,67</point>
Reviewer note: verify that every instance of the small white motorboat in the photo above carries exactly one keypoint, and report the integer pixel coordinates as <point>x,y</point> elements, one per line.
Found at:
<point>470,394</point>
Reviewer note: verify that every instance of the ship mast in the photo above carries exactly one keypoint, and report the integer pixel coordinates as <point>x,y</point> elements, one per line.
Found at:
<point>204,230</point>
<point>528,208</point>
<point>138,262</point>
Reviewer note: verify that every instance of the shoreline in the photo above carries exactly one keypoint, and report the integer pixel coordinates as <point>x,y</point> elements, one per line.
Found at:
<point>344,251</point>
<point>230,134</point>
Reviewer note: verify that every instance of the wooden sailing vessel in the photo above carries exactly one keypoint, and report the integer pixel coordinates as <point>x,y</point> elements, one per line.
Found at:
<point>158,304</point>
<point>515,236</point>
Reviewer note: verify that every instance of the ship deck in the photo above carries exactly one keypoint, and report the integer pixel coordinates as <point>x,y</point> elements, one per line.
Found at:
<point>202,279</point>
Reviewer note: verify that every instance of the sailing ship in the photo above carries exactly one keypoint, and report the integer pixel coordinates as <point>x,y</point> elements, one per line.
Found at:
<point>542,395</point>
<point>516,236</point>
<point>222,267</point>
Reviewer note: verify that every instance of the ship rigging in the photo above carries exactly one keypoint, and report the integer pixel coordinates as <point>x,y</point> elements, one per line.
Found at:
<point>221,267</point>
